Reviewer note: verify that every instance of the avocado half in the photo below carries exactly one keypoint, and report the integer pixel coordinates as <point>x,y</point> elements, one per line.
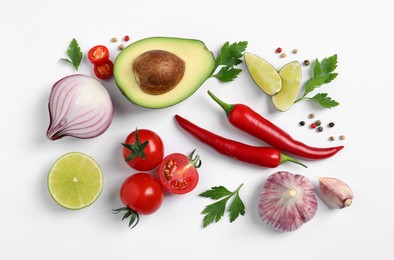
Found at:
<point>199,64</point>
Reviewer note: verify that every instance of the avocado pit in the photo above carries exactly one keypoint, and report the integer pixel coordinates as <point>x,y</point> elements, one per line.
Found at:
<point>158,71</point>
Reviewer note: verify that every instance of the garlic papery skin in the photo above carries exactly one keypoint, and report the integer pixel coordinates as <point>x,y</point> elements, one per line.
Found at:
<point>79,106</point>
<point>335,192</point>
<point>287,201</point>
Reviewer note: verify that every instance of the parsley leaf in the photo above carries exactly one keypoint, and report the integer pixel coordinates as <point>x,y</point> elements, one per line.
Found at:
<point>324,100</point>
<point>228,57</point>
<point>74,54</point>
<point>216,193</point>
<point>227,74</point>
<point>236,208</point>
<point>215,211</point>
<point>323,73</point>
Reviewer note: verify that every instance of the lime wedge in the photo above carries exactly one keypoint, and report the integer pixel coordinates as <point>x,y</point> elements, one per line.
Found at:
<point>263,74</point>
<point>75,181</point>
<point>291,83</point>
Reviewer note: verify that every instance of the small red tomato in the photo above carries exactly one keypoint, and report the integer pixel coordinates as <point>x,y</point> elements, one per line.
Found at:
<point>141,193</point>
<point>178,173</point>
<point>143,150</point>
<point>98,54</point>
<point>104,70</point>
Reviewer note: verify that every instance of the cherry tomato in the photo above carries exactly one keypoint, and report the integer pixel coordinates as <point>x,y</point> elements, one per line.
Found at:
<point>98,54</point>
<point>104,70</point>
<point>178,173</point>
<point>142,193</point>
<point>143,150</point>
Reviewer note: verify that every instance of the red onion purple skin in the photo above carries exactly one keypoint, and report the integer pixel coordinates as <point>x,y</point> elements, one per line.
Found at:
<point>57,130</point>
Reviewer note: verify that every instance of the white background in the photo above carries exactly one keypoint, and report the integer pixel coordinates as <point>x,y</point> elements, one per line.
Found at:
<point>36,34</point>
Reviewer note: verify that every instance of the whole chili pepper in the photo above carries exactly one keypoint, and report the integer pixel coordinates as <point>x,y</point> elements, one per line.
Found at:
<point>262,156</point>
<point>246,119</point>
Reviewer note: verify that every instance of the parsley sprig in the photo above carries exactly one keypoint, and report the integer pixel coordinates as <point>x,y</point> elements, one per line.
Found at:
<point>323,73</point>
<point>215,211</point>
<point>228,58</point>
<point>74,54</point>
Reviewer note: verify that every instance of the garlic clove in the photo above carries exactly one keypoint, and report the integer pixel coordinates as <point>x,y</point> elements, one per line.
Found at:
<point>335,192</point>
<point>287,201</point>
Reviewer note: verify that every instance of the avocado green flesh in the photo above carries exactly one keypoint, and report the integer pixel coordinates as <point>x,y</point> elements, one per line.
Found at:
<point>200,64</point>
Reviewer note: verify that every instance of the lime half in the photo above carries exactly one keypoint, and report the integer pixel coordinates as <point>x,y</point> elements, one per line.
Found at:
<point>263,74</point>
<point>291,83</point>
<point>75,180</point>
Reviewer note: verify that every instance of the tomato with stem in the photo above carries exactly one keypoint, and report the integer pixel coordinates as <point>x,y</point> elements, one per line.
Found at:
<point>141,193</point>
<point>178,173</point>
<point>143,150</point>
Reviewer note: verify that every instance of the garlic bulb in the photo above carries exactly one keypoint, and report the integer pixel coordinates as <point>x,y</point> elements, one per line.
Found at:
<point>335,192</point>
<point>287,201</point>
<point>79,106</point>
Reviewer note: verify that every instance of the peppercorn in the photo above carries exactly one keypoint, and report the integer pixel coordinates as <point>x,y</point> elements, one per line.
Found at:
<point>331,124</point>
<point>302,123</point>
<point>313,125</point>
<point>318,122</point>
<point>121,47</point>
<point>283,55</point>
<point>311,115</point>
<point>278,50</point>
<point>307,62</point>
<point>294,51</point>
<point>332,138</point>
<point>320,129</point>
<point>114,39</point>
<point>342,137</point>
<point>126,38</point>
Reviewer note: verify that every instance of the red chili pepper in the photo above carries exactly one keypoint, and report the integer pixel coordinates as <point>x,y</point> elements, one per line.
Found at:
<point>244,118</point>
<point>262,156</point>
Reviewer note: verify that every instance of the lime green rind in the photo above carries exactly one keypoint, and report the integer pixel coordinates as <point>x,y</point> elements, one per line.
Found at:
<point>56,188</point>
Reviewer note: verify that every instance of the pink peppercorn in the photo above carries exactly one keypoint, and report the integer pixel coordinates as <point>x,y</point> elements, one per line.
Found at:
<point>126,38</point>
<point>279,50</point>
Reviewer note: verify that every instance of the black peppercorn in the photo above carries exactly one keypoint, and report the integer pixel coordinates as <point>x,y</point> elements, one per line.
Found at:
<point>302,123</point>
<point>331,124</point>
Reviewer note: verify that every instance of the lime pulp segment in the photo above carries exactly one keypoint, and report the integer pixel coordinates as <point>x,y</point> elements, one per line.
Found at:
<point>263,73</point>
<point>75,181</point>
<point>291,75</point>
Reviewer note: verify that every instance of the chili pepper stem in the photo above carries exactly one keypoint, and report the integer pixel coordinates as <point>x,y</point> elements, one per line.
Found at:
<point>227,107</point>
<point>285,158</point>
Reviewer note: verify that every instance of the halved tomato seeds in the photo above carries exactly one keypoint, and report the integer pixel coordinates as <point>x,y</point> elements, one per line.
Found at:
<point>178,173</point>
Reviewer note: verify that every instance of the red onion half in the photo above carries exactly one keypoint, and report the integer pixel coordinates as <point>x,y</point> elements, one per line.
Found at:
<point>79,106</point>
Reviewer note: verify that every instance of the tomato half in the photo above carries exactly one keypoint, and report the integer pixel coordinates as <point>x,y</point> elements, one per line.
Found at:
<point>104,70</point>
<point>143,150</point>
<point>98,54</point>
<point>178,173</point>
<point>142,193</point>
